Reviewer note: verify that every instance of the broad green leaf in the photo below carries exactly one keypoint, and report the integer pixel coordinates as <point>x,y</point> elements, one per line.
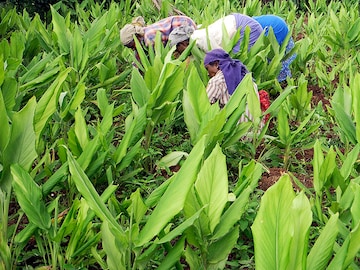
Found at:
<point>349,162</point>
<point>355,211</point>
<point>272,228</point>
<point>147,255</point>
<point>283,127</point>
<point>249,175</point>
<point>173,256</point>
<point>197,93</point>
<point>190,117</point>
<point>152,74</point>
<point>179,187</point>
<point>327,167</point>
<point>88,153</point>
<point>47,103</point>
<point>45,77</point>
<point>62,32</point>
<point>317,163</point>
<point>302,125</point>
<point>235,136</point>
<point>81,129</point>
<point>212,124</point>
<point>144,60</point>
<point>355,88</point>
<point>171,83</point>
<point>2,69</point>
<point>95,33</point>
<point>132,152</point>
<point>17,41</point>
<point>137,208</point>
<point>172,159</point>
<point>155,196</point>
<point>76,48</point>
<point>132,134</point>
<point>321,252</point>
<point>77,226</point>
<point>10,96</point>
<point>21,146</point>
<point>212,186</point>
<point>219,250</point>
<point>232,214</point>
<point>253,101</point>
<point>345,122</point>
<point>115,257</point>
<point>102,100</point>
<point>193,259</point>
<point>58,176</point>
<point>37,68</point>
<point>302,218</point>
<point>139,89</point>
<point>164,111</point>
<point>237,98</point>
<point>29,196</point>
<point>346,200</point>
<point>107,121</point>
<point>91,196</point>
<point>181,228</point>
<point>4,123</point>
<point>76,98</point>
<point>194,233</point>
<point>234,110</point>
<point>354,245</point>
<point>274,106</point>
<point>353,33</point>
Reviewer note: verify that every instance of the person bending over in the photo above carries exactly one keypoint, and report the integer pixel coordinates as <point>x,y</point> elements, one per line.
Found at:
<point>281,30</point>
<point>214,33</point>
<point>146,34</point>
<point>225,75</point>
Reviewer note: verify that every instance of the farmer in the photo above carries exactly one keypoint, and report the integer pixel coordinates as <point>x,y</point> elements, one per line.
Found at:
<point>214,32</point>
<point>225,75</point>
<point>180,37</point>
<point>146,34</point>
<point>281,30</point>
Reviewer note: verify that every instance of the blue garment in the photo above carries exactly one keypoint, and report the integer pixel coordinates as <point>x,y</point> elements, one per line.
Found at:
<point>285,64</point>
<point>278,25</point>
<point>281,30</point>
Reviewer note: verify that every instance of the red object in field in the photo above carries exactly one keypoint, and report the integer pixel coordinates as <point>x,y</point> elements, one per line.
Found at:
<point>264,103</point>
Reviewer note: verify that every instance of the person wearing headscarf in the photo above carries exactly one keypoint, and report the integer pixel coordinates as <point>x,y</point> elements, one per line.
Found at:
<point>146,34</point>
<point>225,75</point>
<point>280,30</point>
<point>180,37</point>
<point>214,33</point>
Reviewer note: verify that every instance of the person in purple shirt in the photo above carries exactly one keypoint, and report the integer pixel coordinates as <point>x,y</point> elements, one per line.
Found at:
<point>280,30</point>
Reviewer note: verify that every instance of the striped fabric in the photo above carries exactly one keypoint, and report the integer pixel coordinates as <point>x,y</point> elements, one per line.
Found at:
<point>217,92</point>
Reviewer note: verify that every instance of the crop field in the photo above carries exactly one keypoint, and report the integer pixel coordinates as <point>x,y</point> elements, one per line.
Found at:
<point>111,163</point>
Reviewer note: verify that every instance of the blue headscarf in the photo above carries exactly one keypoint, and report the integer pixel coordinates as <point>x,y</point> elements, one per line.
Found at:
<point>234,71</point>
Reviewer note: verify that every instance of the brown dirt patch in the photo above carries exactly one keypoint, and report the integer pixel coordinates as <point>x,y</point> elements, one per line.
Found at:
<point>306,156</point>
<point>273,175</point>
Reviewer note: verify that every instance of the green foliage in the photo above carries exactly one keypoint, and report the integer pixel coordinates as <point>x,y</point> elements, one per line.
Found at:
<point>115,166</point>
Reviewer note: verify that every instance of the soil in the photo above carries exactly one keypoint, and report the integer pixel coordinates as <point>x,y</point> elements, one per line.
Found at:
<point>273,174</point>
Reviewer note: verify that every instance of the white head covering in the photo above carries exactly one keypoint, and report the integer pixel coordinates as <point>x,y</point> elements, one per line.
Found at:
<point>180,34</point>
<point>129,30</point>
